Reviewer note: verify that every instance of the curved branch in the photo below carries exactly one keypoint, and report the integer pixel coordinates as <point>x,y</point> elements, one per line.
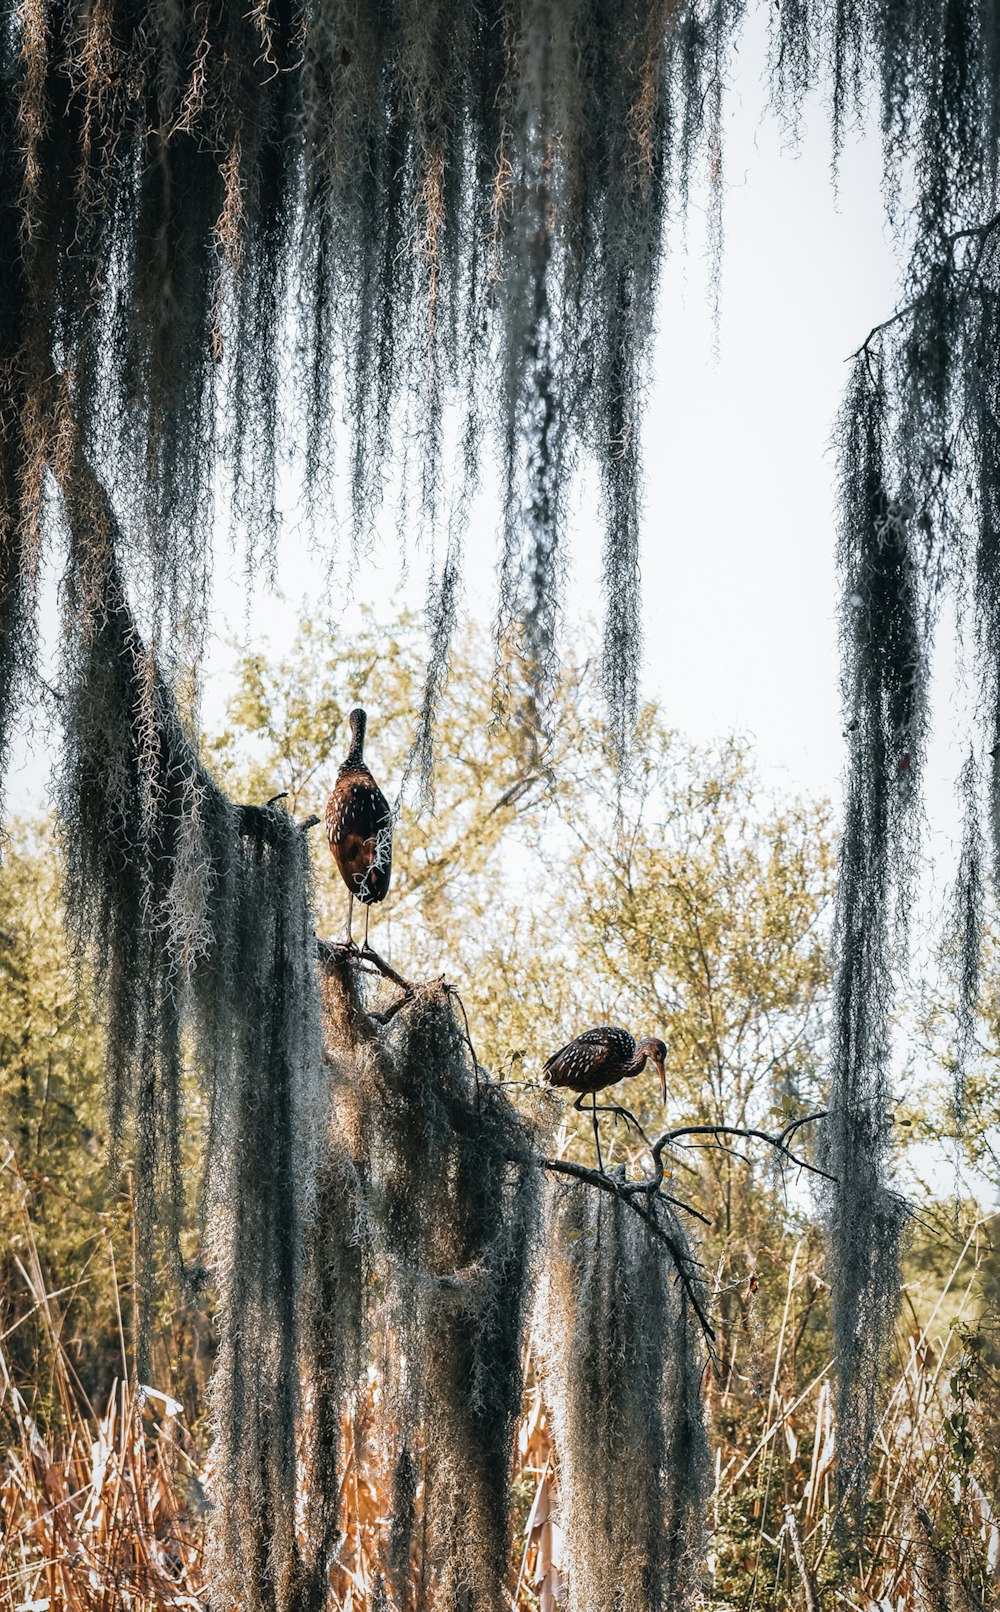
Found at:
<point>337,954</point>
<point>982,232</point>
<point>748,1133</point>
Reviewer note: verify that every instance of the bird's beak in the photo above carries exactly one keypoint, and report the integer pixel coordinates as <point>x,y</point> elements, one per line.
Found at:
<point>663,1080</point>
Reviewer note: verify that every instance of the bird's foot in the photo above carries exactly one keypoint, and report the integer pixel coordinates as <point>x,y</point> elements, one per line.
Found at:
<point>628,1118</point>
<point>368,954</point>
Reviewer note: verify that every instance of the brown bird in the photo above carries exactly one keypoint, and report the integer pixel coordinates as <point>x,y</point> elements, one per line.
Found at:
<point>359,828</point>
<point>600,1058</point>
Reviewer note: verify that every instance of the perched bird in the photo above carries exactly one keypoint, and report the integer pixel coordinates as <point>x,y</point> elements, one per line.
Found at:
<point>359,828</point>
<point>600,1058</point>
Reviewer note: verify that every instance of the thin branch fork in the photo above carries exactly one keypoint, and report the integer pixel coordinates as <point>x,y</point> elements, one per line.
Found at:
<point>980,232</point>
<point>748,1133</point>
<point>650,1187</point>
<point>335,955</point>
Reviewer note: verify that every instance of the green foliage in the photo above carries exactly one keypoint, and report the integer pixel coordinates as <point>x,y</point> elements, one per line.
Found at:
<point>286,730</point>
<point>52,1124</point>
<point>967,1045</point>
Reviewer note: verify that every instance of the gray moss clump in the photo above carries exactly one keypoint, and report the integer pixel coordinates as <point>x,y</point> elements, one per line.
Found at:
<point>451,1183</point>
<point>623,1368</point>
<point>884,641</point>
<point>198,916</point>
<point>920,472</point>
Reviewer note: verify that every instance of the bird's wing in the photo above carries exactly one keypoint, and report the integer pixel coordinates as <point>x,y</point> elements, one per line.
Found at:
<point>358,807</point>
<point>581,1058</point>
<point>359,828</point>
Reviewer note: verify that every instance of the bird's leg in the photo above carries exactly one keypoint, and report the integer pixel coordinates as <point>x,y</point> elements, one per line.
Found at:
<point>579,1106</point>
<point>350,918</point>
<point>367,913</point>
<point>597,1136</point>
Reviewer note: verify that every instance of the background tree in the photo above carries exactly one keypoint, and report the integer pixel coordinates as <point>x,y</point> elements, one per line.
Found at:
<point>51,1119</point>
<point>689,903</point>
<point>70,1230</point>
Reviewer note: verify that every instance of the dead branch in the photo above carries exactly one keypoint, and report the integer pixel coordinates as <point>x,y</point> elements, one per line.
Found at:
<point>337,954</point>
<point>748,1133</point>
<point>798,1551</point>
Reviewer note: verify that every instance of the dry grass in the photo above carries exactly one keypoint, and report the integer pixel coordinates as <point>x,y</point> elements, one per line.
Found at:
<point>105,1518</point>
<point>112,1513</point>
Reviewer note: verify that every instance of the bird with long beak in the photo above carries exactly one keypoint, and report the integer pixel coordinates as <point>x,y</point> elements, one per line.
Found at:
<point>599,1058</point>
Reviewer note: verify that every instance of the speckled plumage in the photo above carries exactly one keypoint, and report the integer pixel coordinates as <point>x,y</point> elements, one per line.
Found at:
<point>359,824</point>
<point>600,1057</point>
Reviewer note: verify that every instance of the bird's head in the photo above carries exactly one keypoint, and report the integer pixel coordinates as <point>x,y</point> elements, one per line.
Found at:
<point>656,1052</point>
<point>359,723</point>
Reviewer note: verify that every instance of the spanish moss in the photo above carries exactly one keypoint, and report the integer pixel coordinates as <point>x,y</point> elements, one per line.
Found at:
<point>233,227</point>
<point>198,916</point>
<point>978,369</point>
<point>222,231</point>
<point>448,207</point>
<point>933,65</point>
<point>451,1182</point>
<point>885,647</point>
<point>441,616</point>
<point>623,1374</point>
<point>968,927</point>
<point>919,469</point>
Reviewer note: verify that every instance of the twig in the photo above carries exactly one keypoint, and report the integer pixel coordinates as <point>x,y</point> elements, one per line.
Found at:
<point>749,1133</point>
<point>367,955</point>
<point>798,1551</point>
<point>983,231</point>
<point>624,1189</point>
<point>384,1015</point>
<point>335,954</point>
